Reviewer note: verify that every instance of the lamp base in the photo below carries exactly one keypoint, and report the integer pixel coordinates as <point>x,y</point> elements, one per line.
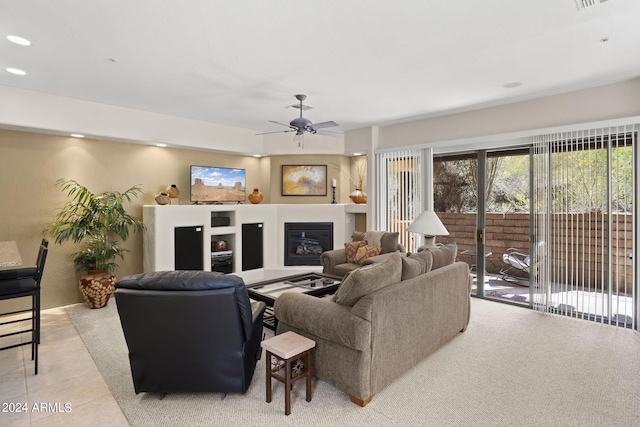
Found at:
<point>429,242</point>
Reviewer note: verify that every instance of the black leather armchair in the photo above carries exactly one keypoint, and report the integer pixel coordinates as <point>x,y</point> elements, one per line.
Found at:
<point>189,331</point>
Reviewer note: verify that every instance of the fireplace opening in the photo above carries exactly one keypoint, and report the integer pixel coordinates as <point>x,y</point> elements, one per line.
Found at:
<point>306,241</point>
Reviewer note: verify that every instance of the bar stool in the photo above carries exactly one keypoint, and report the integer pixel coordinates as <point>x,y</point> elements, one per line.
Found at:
<point>20,283</point>
<point>291,361</point>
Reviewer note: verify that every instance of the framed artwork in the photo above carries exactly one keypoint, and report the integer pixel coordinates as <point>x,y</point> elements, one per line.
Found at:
<point>304,180</point>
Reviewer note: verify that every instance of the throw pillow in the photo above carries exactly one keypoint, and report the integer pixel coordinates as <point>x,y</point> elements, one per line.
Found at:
<point>351,250</point>
<point>443,255</point>
<point>416,264</point>
<point>426,257</point>
<point>367,279</point>
<point>411,268</point>
<point>389,242</point>
<point>366,251</point>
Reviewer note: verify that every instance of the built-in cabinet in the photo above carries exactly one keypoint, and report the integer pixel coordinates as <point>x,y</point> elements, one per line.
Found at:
<point>253,234</point>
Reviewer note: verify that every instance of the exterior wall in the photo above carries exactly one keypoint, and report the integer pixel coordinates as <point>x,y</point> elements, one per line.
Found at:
<point>585,253</point>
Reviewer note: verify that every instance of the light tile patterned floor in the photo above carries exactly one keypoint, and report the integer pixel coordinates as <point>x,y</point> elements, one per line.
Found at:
<point>68,390</point>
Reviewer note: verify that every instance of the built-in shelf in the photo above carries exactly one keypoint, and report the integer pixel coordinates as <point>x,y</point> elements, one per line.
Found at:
<point>159,245</point>
<point>355,208</point>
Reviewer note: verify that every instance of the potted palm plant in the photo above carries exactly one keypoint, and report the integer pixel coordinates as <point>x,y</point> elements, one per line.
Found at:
<point>101,223</point>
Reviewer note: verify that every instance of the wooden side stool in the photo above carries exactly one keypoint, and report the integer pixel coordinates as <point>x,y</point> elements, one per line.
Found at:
<point>291,361</point>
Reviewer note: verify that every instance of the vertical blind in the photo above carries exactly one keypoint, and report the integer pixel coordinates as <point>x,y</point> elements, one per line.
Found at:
<point>399,193</point>
<point>584,195</point>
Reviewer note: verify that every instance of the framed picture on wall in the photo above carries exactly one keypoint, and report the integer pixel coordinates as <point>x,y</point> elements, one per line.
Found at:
<point>304,180</point>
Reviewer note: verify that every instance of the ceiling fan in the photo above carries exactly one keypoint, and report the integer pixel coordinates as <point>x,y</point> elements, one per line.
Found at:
<point>300,125</point>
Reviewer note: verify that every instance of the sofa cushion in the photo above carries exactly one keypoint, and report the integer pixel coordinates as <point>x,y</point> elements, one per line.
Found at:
<point>424,257</point>
<point>389,242</point>
<point>416,264</point>
<point>369,278</point>
<point>373,237</point>
<point>351,249</point>
<point>443,255</point>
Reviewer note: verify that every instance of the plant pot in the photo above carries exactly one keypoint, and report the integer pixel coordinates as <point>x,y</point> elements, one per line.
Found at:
<point>96,287</point>
<point>255,197</point>
<point>358,196</point>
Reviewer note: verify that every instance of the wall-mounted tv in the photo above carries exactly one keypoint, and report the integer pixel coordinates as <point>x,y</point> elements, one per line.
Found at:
<point>213,185</point>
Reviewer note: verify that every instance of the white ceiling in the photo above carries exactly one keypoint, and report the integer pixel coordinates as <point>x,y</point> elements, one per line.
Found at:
<point>360,62</point>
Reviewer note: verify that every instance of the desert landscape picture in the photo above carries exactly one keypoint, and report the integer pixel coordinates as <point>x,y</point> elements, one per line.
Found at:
<point>211,184</point>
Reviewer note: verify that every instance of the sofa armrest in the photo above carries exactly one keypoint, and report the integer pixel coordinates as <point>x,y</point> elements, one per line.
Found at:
<point>324,319</point>
<point>330,259</point>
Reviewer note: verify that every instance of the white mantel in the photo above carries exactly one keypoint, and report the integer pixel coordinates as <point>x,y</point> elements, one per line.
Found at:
<point>162,220</point>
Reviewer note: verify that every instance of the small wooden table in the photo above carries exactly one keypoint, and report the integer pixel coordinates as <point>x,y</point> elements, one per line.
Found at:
<point>9,254</point>
<point>288,350</point>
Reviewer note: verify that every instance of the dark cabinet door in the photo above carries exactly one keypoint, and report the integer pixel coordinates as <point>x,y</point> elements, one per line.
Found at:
<point>189,247</point>
<point>252,246</point>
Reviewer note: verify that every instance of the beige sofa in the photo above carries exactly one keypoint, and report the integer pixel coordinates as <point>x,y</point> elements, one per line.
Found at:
<point>384,319</point>
<point>335,262</point>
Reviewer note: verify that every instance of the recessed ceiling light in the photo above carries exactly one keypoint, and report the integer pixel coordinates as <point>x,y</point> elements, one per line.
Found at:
<point>19,40</point>
<point>512,85</point>
<point>77,135</point>
<point>161,145</point>
<point>357,154</point>
<point>257,155</point>
<point>16,71</point>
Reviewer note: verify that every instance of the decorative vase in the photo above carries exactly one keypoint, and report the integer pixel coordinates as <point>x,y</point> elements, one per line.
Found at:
<point>96,287</point>
<point>163,198</point>
<point>358,196</point>
<point>255,197</point>
<point>173,191</point>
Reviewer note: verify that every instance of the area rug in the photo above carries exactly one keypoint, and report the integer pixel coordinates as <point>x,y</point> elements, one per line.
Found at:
<point>512,366</point>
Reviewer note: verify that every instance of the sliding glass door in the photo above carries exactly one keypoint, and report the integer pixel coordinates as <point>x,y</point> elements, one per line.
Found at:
<point>551,225</point>
<point>483,198</point>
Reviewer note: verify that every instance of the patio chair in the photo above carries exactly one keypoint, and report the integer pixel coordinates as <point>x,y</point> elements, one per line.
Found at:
<point>518,263</point>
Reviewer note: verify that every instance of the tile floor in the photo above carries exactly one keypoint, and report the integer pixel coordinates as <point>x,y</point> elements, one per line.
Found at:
<point>68,390</point>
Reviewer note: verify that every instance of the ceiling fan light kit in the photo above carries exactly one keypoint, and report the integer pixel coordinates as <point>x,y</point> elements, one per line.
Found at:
<point>300,125</point>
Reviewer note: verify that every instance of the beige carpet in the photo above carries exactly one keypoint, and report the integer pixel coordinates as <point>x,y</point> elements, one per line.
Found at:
<point>512,367</point>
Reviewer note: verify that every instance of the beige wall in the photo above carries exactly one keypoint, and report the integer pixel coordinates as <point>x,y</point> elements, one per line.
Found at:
<point>612,101</point>
<point>32,163</point>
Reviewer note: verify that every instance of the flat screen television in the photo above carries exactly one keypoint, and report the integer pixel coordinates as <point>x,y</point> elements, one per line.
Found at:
<point>214,185</point>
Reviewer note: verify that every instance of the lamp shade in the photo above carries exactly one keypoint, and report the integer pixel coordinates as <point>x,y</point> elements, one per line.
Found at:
<point>429,224</point>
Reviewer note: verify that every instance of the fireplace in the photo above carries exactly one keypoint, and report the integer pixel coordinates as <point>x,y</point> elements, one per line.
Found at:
<point>305,242</point>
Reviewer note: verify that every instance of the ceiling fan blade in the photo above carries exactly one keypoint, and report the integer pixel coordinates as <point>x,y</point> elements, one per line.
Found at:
<point>324,125</point>
<point>334,134</point>
<point>275,131</point>
<point>278,123</point>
